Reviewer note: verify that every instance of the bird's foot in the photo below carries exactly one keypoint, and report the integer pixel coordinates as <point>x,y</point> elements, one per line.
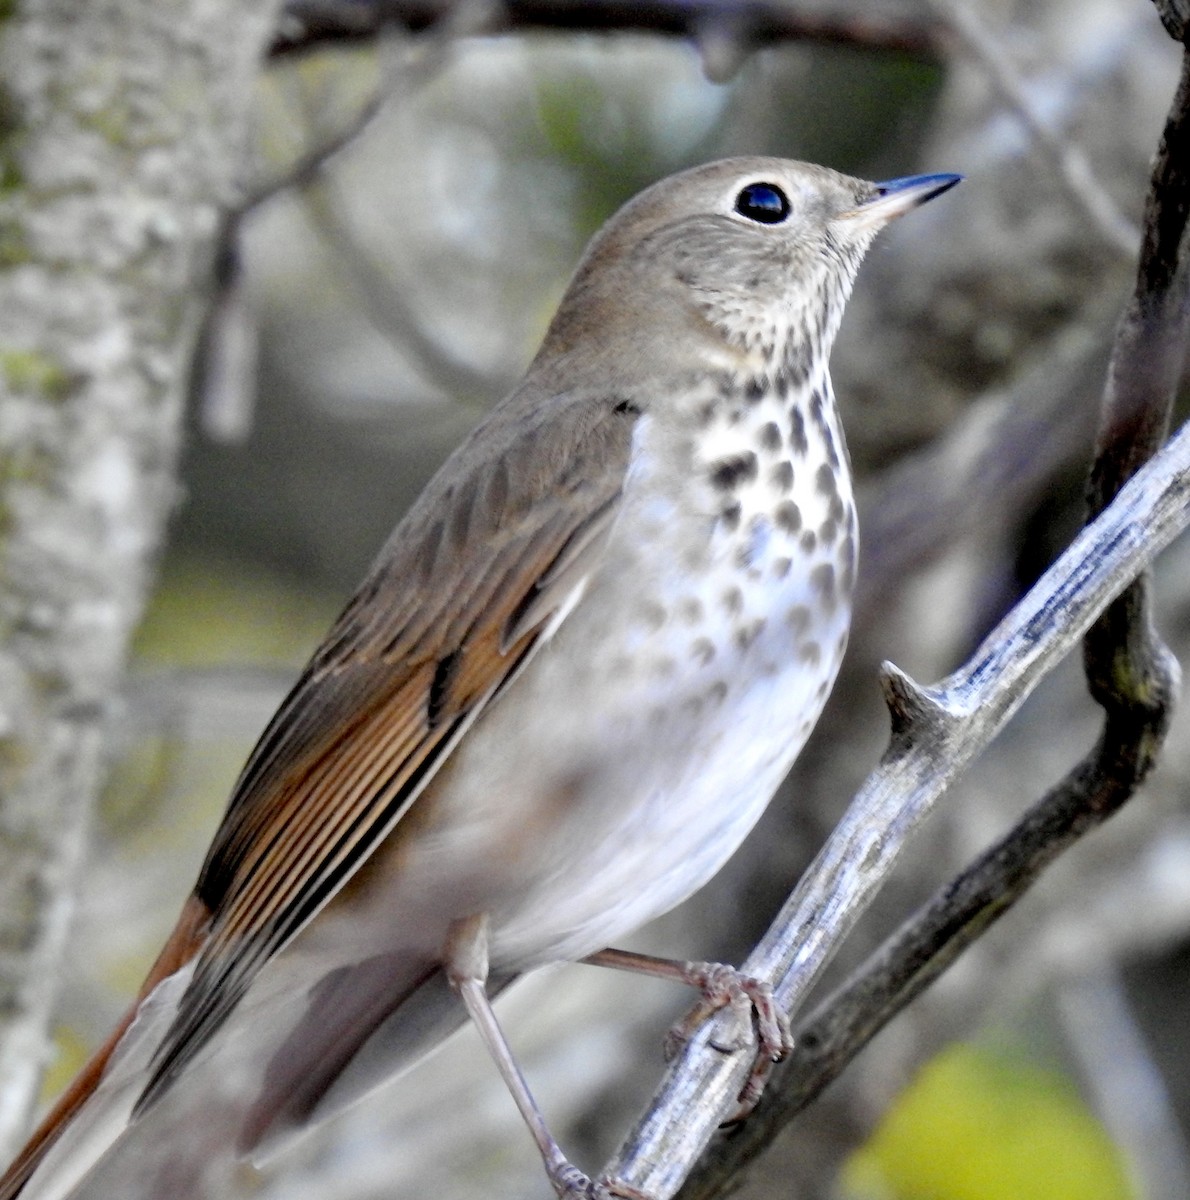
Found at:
<point>571,1184</point>
<point>724,987</point>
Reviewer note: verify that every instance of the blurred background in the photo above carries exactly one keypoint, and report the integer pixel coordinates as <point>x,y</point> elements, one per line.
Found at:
<point>374,308</point>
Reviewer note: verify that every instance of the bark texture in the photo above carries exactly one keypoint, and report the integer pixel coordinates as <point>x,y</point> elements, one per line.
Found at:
<point>122,136</point>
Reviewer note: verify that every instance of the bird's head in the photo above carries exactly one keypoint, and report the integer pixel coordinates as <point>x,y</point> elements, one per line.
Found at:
<point>758,255</point>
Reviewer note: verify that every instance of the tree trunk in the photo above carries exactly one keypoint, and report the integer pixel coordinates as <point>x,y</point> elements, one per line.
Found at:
<point>122,137</point>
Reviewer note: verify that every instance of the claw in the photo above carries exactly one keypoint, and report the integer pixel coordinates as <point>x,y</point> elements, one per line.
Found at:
<point>571,1184</point>
<point>722,987</point>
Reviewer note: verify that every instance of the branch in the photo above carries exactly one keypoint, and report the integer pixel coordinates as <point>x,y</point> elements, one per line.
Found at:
<point>312,24</point>
<point>1003,451</point>
<point>937,731</point>
<point>1066,161</point>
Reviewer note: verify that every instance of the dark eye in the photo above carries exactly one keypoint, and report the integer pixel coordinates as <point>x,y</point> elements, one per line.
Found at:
<point>763,202</point>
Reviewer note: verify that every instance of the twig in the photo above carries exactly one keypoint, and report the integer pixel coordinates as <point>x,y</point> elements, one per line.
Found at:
<point>312,24</point>
<point>1124,1083</point>
<point>1003,451</point>
<point>386,305</point>
<point>1066,160</point>
<point>937,731</point>
<point>423,61</point>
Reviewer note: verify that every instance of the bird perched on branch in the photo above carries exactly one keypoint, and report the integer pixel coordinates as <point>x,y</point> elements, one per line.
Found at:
<point>566,690</point>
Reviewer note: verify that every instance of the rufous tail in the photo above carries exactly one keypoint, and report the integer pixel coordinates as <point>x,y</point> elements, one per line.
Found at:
<point>182,945</point>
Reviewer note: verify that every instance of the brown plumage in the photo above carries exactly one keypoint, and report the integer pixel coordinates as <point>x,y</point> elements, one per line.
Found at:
<point>566,689</point>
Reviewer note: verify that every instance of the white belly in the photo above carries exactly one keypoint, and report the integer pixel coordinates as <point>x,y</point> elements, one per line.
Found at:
<point>643,743</point>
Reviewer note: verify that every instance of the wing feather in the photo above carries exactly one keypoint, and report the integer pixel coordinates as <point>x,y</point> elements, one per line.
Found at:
<point>452,608</point>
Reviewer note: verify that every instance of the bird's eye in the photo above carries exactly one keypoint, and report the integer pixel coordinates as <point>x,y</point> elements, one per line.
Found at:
<point>763,202</point>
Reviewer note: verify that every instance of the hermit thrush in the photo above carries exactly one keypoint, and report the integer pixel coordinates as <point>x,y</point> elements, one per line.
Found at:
<point>564,693</point>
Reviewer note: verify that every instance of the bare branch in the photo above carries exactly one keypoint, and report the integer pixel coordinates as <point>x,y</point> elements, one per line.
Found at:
<point>1124,1082</point>
<point>938,730</point>
<point>310,24</point>
<point>1066,161</point>
<point>420,61</point>
<point>1002,451</point>
<point>936,733</point>
<point>386,305</point>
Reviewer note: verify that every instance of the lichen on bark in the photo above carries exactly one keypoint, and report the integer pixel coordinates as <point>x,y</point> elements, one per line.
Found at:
<point>123,131</point>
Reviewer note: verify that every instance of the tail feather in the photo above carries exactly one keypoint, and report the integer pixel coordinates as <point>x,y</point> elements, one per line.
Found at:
<point>179,950</point>
<point>386,1014</point>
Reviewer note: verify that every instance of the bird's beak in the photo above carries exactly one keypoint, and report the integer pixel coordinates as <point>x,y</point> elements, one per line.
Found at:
<point>894,198</point>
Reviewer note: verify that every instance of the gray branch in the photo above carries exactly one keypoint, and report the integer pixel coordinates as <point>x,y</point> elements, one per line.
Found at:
<point>1093,589</point>
<point>313,24</point>
<point>937,731</point>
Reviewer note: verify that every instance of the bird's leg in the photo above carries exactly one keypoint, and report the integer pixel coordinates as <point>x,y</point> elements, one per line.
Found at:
<point>465,959</point>
<point>720,986</point>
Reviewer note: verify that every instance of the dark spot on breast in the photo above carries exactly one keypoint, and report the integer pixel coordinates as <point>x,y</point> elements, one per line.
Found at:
<point>832,454</point>
<point>788,516</point>
<point>846,557</point>
<point>818,416</point>
<point>745,635</point>
<point>704,414</point>
<point>837,508</point>
<point>809,541</point>
<point>798,619</point>
<point>828,531</point>
<point>652,615</point>
<point>728,473</point>
<point>781,567</point>
<point>733,601</point>
<point>822,580</point>
<point>702,650</point>
<point>782,476</point>
<point>690,610</point>
<point>717,692</point>
<point>825,482</point>
<point>770,436</point>
<point>797,370</point>
<point>797,432</point>
<point>810,653</point>
<point>781,383</point>
<point>730,516</point>
<point>754,390</point>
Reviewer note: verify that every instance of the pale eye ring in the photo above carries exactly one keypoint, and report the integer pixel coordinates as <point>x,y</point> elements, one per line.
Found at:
<point>764,203</point>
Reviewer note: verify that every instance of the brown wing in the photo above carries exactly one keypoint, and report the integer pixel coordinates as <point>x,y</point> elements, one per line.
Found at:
<point>454,604</point>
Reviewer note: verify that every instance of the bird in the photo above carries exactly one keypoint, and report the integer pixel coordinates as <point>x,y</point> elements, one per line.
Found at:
<point>565,691</point>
